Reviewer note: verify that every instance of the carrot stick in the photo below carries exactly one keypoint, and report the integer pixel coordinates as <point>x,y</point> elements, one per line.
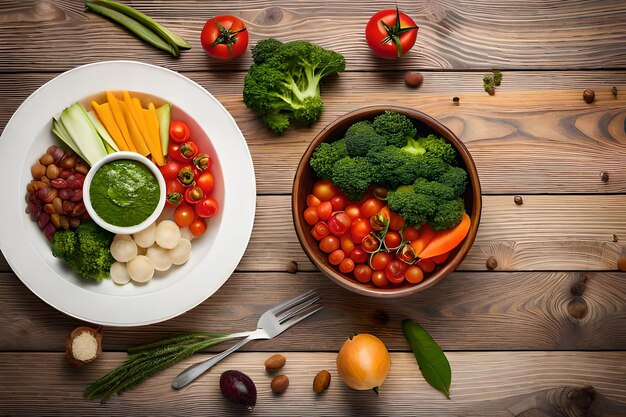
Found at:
<point>446,240</point>
<point>155,143</point>
<point>133,129</point>
<point>103,111</point>
<point>119,119</point>
<point>426,233</point>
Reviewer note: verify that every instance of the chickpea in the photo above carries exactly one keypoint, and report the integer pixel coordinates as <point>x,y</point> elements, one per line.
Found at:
<point>38,170</point>
<point>52,171</point>
<point>46,159</point>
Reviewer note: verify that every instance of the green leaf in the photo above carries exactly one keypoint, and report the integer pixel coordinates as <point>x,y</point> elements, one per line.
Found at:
<point>430,358</point>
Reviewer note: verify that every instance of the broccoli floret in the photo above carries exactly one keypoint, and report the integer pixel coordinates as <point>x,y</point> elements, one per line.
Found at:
<point>395,127</point>
<point>429,167</point>
<point>449,213</point>
<point>284,82</point>
<point>353,176</point>
<point>324,157</point>
<point>438,147</point>
<point>413,147</point>
<point>264,49</point>
<point>434,189</point>
<point>361,138</point>
<point>455,178</point>
<point>390,162</point>
<point>415,208</point>
<point>85,250</point>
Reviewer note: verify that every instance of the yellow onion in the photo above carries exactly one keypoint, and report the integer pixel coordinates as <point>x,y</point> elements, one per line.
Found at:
<point>363,362</point>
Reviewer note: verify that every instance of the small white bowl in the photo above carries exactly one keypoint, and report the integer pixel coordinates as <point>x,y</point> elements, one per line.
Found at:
<point>124,230</point>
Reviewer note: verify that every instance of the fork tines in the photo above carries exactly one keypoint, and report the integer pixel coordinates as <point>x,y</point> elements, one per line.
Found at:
<point>292,311</point>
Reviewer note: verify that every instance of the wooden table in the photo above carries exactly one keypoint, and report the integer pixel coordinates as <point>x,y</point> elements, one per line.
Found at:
<point>549,320</point>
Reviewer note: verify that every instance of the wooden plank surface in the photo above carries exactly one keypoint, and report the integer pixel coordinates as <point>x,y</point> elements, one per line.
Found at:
<point>466,311</point>
<point>483,384</point>
<point>453,34</point>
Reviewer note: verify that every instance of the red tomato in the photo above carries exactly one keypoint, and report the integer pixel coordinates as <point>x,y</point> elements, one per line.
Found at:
<point>312,201</point>
<point>394,271</point>
<point>339,202</point>
<point>360,228</point>
<point>410,233</point>
<point>370,243</point>
<point>347,245</point>
<point>193,195</point>
<point>329,243</point>
<point>207,207</point>
<point>336,256</point>
<point>206,182</point>
<point>363,273</point>
<point>311,216</point>
<point>324,190</point>
<point>184,215</point>
<point>173,152</point>
<point>396,222</point>
<point>392,240</point>
<point>390,33</point>
<point>224,37</point>
<point>339,223</point>
<point>414,274</point>
<point>170,170</point>
<point>320,230</point>
<point>174,191</point>
<point>358,255</point>
<point>441,258</point>
<point>371,207</point>
<point>197,227</point>
<point>188,150</point>
<point>353,211</point>
<point>179,131</point>
<point>324,210</point>
<point>379,279</point>
<point>427,265</point>
<point>346,266</point>
<point>380,260</point>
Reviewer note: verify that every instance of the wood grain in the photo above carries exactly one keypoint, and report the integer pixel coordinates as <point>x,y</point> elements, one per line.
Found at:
<point>466,311</point>
<point>483,384</point>
<point>547,34</point>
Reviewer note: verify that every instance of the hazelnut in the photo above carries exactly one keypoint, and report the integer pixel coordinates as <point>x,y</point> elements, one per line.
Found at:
<point>589,96</point>
<point>413,79</point>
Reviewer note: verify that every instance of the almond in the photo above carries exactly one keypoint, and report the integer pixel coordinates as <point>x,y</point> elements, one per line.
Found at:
<point>321,381</point>
<point>279,384</point>
<point>275,362</point>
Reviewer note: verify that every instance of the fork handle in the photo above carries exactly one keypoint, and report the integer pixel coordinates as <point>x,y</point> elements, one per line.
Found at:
<point>194,371</point>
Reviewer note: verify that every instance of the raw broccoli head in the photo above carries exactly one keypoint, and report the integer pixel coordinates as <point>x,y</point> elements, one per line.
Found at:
<point>434,189</point>
<point>429,167</point>
<point>415,208</point>
<point>455,178</point>
<point>324,157</point>
<point>64,244</point>
<point>449,214</point>
<point>361,138</point>
<point>438,147</point>
<point>353,176</point>
<point>283,84</point>
<point>395,127</point>
<point>391,163</point>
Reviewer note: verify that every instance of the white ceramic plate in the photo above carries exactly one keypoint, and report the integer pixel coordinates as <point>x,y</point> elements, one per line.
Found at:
<point>214,255</point>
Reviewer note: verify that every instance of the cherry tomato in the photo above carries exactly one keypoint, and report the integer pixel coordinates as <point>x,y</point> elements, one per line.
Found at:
<point>224,37</point>
<point>184,215</point>
<point>320,230</point>
<point>206,182</point>
<point>324,210</point>
<point>339,202</point>
<point>324,190</point>
<point>346,266</point>
<point>336,256</point>
<point>427,265</point>
<point>174,191</point>
<point>390,33</point>
<point>339,223</point>
<point>358,255</point>
<point>197,227</point>
<point>312,201</point>
<point>396,222</point>
<point>202,161</point>
<point>329,243</point>
<point>414,274</point>
<point>193,194</point>
<point>380,260</point>
<point>170,170</point>
<point>371,207</point>
<point>410,233</point>
<point>379,279</point>
<point>363,273</point>
<point>360,228</point>
<point>441,258</point>
<point>179,131</point>
<point>392,239</point>
<point>370,243</point>
<point>347,245</point>
<point>186,175</point>
<point>311,216</point>
<point>353,211</point>
<point>188,150</point>
<point>173,152</point>
<point>394,271</point>
<point>207,207</point>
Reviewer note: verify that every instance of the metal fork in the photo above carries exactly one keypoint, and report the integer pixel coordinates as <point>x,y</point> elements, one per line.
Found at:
<point>272,323</point>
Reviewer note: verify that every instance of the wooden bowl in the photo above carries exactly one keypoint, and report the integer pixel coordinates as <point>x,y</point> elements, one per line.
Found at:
<point>305,177</point>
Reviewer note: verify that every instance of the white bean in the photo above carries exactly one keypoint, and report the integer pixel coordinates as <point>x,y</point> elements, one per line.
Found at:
<point>181,253</point>
<point>160,258</point>
<point>119,274</point>
<point>146,237</point>
<point>140,268</point>
<point>123,248</point>
<point>167,234</point>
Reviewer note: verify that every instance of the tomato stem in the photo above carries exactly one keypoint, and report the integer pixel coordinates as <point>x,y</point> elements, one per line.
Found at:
<point>227,36</point>
<point>393,33</point>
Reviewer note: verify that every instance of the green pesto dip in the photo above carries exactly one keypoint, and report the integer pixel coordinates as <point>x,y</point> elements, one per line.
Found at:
<point>124,192</point>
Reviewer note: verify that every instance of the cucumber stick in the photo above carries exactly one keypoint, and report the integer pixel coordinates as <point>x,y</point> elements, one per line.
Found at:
<point>79,127</point>
<point>61,133</point>
<point>164,114</point>
<point>134,26</point>
<point>109,143</point>
<point>169,36</point>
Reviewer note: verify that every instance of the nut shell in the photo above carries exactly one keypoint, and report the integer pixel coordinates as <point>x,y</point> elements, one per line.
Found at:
<point>96,333</point>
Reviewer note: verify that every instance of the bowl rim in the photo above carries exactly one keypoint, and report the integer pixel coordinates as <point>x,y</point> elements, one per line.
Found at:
<point>369,112</point>
<point>116,156</point>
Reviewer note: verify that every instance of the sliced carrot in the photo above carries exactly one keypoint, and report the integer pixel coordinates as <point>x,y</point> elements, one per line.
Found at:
<point>135,134</point>
<point>103,111</point>
<point>119,119</point>
<point>136,111</point>
<point>155,140</point>
<point>446,240</point>
<point>426,233</point>
<point>439,259</point>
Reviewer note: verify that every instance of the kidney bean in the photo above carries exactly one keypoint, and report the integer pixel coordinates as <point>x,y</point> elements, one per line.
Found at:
<point>78,209</point>
<point>74,222</point>
<point>74,183</point>
<point>49,231</point>
<point>58,183</point>
<point>82,168</point>
<point>58,154</point>
<point>49,208</point>
<point>78,196</point>
<point>44,219</point>
<point>65,193</point>
<point>65,173</point>
<point>67,206</point>
<point>68,162</point>
<point>47,194</point>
